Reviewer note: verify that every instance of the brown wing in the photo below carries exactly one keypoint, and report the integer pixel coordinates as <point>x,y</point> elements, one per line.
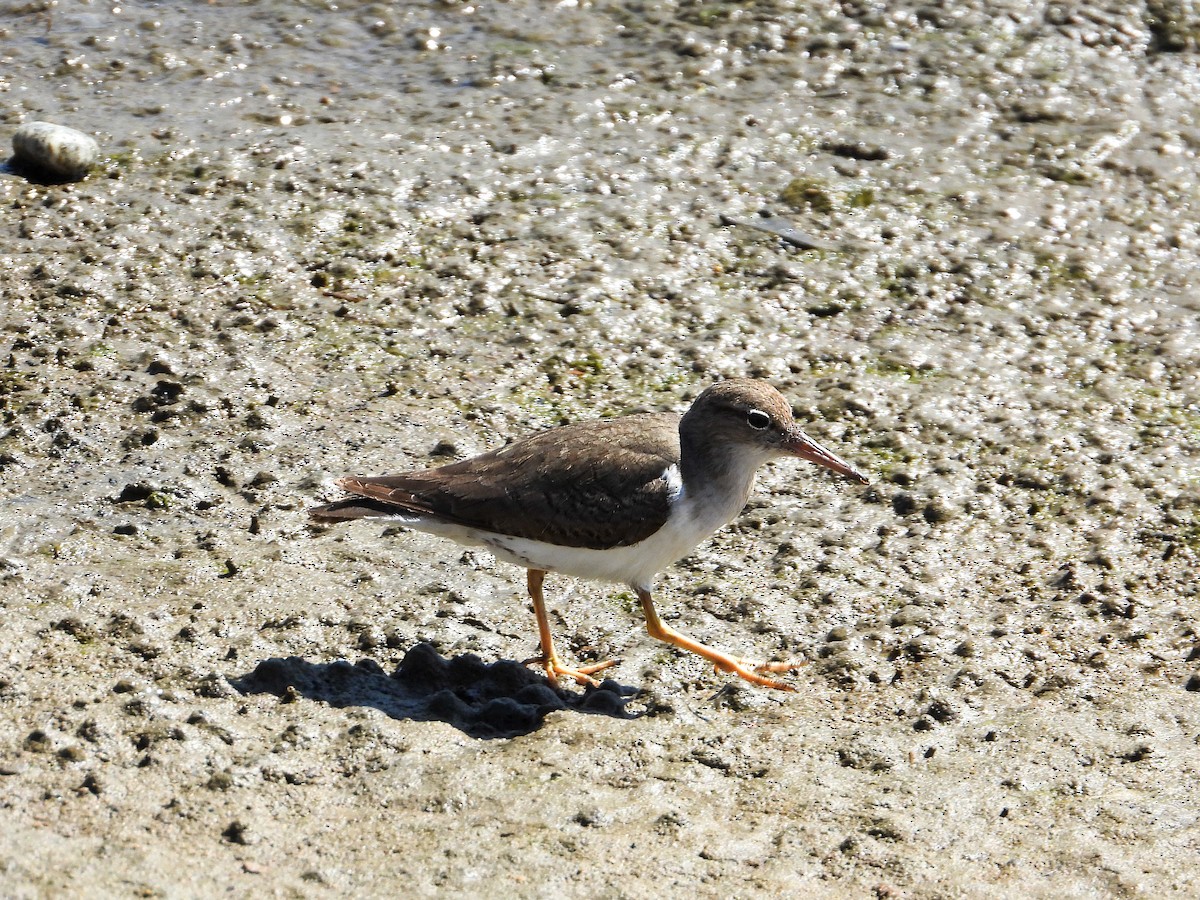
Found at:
<point>599,484</point>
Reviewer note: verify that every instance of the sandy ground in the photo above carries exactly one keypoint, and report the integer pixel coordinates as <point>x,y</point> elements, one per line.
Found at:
<point>354,239</point>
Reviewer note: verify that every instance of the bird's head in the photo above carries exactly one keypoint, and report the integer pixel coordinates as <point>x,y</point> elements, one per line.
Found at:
<point>751,418</point>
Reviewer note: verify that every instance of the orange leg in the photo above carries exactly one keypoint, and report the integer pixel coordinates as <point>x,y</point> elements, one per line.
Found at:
<point>723,662</point>
<point>548,657</point>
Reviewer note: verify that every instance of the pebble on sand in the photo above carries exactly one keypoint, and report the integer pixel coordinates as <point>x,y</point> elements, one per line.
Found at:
<point>55,150</point>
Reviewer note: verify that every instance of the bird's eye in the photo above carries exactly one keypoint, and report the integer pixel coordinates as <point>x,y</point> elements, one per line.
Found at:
<point>757,419</point>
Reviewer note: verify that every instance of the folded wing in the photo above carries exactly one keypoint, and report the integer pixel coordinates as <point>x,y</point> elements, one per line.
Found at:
<point>602,484</point>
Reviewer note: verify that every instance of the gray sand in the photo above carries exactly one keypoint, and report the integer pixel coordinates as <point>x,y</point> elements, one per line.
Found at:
<point>354,239</point>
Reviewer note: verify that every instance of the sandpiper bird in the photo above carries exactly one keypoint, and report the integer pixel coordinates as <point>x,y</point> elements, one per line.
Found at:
<point>613,500</point>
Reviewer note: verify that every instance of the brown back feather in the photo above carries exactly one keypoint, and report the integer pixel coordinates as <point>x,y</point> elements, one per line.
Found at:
<point>599,484</point>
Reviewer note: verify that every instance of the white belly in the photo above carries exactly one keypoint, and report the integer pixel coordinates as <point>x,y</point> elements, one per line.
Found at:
<point>689,523</point>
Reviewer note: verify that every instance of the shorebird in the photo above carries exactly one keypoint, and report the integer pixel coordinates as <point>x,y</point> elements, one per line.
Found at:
<point>615,500</point>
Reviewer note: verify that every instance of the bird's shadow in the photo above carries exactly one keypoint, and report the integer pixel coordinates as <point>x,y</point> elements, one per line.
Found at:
<point>496,700</point>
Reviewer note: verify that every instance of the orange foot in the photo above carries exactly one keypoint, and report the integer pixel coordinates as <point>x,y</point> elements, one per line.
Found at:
<point>723,662</point>
<point>582,675</point>
<point>752,672</point>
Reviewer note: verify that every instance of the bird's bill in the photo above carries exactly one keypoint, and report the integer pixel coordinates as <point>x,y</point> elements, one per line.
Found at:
<point>801,445</point>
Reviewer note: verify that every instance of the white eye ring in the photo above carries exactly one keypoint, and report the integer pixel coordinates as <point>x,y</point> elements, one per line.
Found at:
<point>757,419</point>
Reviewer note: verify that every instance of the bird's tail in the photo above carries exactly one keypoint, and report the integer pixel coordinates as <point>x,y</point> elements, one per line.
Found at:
<point>352,508</point>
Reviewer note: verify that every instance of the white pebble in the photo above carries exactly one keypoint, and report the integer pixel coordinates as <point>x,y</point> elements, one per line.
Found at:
<point>55,149</point>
